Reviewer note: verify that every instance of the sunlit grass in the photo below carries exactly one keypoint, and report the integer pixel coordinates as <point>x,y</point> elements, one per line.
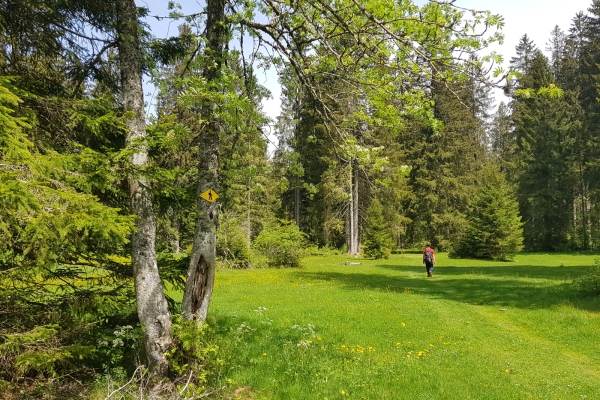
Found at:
<point>382,329</point>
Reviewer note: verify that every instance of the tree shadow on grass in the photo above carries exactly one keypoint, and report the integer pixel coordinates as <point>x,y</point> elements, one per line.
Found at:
<point>515,271</point>
<point>532,287</point>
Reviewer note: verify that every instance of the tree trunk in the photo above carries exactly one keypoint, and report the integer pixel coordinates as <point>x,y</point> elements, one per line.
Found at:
<point>297,202</point>
<point>584,217</point>
<point>201,271</point>
<point>352,216</point>
<point>355,238</point>
<point>249,214</point>
<point>175,219</point>
<point>152,307</point>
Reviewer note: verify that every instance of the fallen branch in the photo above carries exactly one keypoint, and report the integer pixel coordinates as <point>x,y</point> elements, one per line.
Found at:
<point>187,383</point>
<point>125,385</point>
<point>212,392</point>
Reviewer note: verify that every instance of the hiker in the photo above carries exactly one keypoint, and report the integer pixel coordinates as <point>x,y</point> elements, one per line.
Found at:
<point>429,259</point>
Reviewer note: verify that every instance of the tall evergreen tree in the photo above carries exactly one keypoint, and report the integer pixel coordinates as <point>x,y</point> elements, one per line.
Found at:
<point>588,150</point>
<point>502,141</point>
<point>445,165</point>
<point>541,129</point>
<point>566,51</point>
<point>495,230</point>
<point>558,48</point>
<point>523,61</point>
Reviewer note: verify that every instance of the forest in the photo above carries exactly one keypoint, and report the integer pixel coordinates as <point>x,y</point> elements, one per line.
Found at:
<point>388,137</point>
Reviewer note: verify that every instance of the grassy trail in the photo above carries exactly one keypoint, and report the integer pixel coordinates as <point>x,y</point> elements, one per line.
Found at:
<point>476,330</point>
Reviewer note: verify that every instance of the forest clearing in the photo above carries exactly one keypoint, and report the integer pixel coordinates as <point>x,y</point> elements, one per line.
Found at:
<point>185,244</point>
<point>382,330</point>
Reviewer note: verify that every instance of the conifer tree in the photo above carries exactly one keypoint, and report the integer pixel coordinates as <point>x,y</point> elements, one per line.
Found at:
<point>541,129</point>
<point>585,33</point>
<point>522,62</point>
<point>502,141</point>
<point>377,242</point>
<point>445,164</point>
<point>306,153</point>
<point>495,229</point>
<point>558,47</point>
<point>567,68</point>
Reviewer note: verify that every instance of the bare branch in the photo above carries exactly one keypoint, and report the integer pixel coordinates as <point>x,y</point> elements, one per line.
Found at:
<point>128,383</point>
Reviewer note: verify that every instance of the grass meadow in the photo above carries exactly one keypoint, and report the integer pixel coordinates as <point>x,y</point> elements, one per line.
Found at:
<point>383,330</point>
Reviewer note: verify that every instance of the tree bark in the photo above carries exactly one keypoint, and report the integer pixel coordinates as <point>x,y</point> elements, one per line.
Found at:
<point>355,211</point>
<point>352,216</point>
<point>201,272</point>
<point>152,307</point>
<point>297,202</point>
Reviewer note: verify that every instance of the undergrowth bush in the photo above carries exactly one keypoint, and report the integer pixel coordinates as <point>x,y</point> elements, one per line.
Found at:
<point>282,243</point>
<point>39,353</point>
<point>194,357</point>
<point>119,348</point>
<point>589,284</point>
<point>232,243</point>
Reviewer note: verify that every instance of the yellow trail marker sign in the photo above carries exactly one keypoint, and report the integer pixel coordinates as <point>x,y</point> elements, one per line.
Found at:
<point>210,195</point>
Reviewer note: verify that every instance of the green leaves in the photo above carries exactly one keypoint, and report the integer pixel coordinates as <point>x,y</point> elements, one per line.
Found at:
<point>43,214</point>
<point>282,243</point>
<point>551,91</point>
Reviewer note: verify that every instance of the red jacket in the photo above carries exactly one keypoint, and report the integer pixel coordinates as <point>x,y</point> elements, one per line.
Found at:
<point>432,254</point>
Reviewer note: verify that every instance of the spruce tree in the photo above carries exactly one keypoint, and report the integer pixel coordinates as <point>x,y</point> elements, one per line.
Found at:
<point>445,164</point>
<point>587,35</point>
<point>522,63</point>
<point>495,229</point>
<point>502,141</point>
<point>377,242</point>
<point>545,182</point>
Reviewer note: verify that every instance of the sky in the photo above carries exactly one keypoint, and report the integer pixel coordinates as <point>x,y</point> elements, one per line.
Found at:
<point>536,18</point>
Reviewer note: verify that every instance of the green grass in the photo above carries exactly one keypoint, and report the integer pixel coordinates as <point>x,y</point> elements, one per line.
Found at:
<point>383,330</point>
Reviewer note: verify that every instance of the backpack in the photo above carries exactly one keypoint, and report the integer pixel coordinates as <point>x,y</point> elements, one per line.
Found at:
<point>427,257</point>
